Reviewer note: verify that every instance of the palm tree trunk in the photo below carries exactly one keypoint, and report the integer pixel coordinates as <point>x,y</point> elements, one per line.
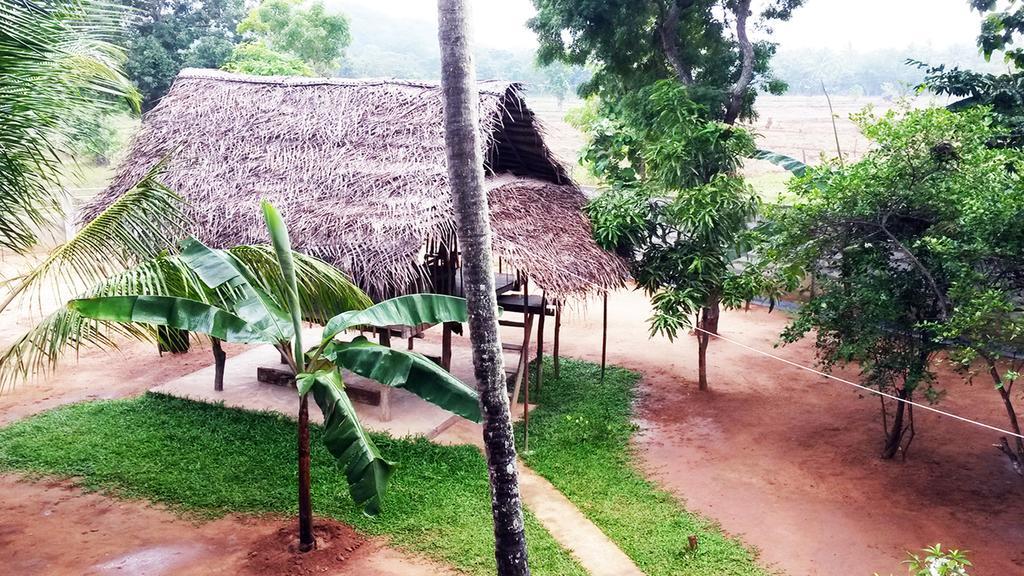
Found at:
<point>466,176</point>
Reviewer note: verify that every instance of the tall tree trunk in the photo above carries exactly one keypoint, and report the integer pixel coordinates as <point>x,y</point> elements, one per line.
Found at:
<point>894,436</point>
<point>712,311</point>
<point>466,177</point>
<point>738,91</point>
<point>1015,454</point>
<point>703,339</point>
<point>306,541</point>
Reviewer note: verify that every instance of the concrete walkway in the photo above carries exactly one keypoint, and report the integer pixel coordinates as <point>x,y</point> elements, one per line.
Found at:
<point>412,416</point>
<point>577,534</point>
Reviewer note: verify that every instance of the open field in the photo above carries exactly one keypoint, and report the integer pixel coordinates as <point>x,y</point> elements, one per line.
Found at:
<point>797,126</point>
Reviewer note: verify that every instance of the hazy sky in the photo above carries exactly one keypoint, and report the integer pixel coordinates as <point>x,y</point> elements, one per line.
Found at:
<point>860,24</point>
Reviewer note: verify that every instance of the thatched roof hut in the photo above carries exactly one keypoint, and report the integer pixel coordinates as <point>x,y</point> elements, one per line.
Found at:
<point>358,169</point>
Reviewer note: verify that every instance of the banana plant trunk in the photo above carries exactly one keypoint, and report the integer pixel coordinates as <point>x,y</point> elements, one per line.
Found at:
<point>466,177</point>
<point>306,541</point>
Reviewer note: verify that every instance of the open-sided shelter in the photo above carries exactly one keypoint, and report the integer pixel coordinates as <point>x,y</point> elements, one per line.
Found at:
<point>358,170</point>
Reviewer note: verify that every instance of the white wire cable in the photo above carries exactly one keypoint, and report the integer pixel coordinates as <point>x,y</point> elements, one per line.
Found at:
<point>859,386</point>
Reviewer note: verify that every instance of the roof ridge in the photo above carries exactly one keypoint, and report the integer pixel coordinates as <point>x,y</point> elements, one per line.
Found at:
<point>496,87</point>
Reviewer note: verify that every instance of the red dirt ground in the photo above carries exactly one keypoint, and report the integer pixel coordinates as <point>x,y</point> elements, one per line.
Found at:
<point>788,460</point>
<point>783,459</point>
<point>53,529</point>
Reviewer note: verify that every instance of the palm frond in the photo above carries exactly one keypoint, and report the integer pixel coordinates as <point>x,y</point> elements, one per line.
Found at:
<point>136,227</point>
<point>38,351</point>
<point>327,290</point>
<point>324,290</point>
<point>56,60</point>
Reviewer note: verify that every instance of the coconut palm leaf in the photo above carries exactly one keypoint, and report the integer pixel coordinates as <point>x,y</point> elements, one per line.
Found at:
<point>38,351</point>
<point>56,61</point>
<point>324,290</point>
<point>406,369</point>
<point>366,471</point>
<point>64,331</point>
<point>135,227</point>
<point>412,310</point>
<point>795,166</point>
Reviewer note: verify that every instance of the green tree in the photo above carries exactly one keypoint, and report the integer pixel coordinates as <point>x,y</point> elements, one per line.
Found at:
<point>57,64</point>
<point>702,44</point>
<point>1002,25</point>
<point>257,59</point>
<point>466,175</point>
<point>168,35</point>
<point>222,296</point>
<point>673,77</point>
<point>676,207</point>
<point>307,32</point>
<point>915,249</point>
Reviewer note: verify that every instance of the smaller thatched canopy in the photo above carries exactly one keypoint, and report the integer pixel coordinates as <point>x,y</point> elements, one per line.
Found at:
<point>358,169</point>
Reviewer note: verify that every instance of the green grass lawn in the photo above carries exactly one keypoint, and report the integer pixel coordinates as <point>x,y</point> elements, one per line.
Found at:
<point>210,460</point>
<point>579,441</point>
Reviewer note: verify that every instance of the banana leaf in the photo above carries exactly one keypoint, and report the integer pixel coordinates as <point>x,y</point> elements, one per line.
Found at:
<point>406,369</point>
<point>411,310</point>
<point>366,471</point>
<point>222,273</point>
<point>180,313</point>
<point>283,247</point>
<point>795,166</point>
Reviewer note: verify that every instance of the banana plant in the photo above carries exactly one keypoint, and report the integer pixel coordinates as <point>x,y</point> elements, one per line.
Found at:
<point>246,312</point>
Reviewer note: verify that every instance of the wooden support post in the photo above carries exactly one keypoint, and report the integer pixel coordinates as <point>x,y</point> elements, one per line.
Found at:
<point>527,319</point>
<point>384,334</point>
<point>411,338</point>
<point>219,359</point>
<point>558,329</point>
<point>524,360</point>
<point>446,347</point>
<point>540,344</point>
<point>604,336</point>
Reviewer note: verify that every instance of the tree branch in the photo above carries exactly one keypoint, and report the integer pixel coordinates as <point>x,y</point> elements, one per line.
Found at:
<point>919,265</point>
<point>668,32</point>
<point>735,103</point>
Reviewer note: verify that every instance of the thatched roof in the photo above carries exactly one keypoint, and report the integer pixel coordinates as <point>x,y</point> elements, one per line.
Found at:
<point>358,169</point>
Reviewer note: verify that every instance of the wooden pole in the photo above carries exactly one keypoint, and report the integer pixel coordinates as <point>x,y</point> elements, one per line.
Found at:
<point>540,344</point>
<point>384,335</point>
<point>219,359</point>
<point>604,336</point>
<point>526,364</point>
<point>558,329</point>
<point>446,347</point>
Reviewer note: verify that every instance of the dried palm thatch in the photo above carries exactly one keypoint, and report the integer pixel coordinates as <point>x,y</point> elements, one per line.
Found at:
<point>357,168</point>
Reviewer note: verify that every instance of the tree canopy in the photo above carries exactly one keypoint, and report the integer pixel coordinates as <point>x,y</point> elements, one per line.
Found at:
<point>168,35</point>
<point>701,43</point>
<point>307,32</point>
<point>914,249</point>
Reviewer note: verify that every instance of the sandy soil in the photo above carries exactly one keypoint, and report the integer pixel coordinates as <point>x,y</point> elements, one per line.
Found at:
<point>788,461</point>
